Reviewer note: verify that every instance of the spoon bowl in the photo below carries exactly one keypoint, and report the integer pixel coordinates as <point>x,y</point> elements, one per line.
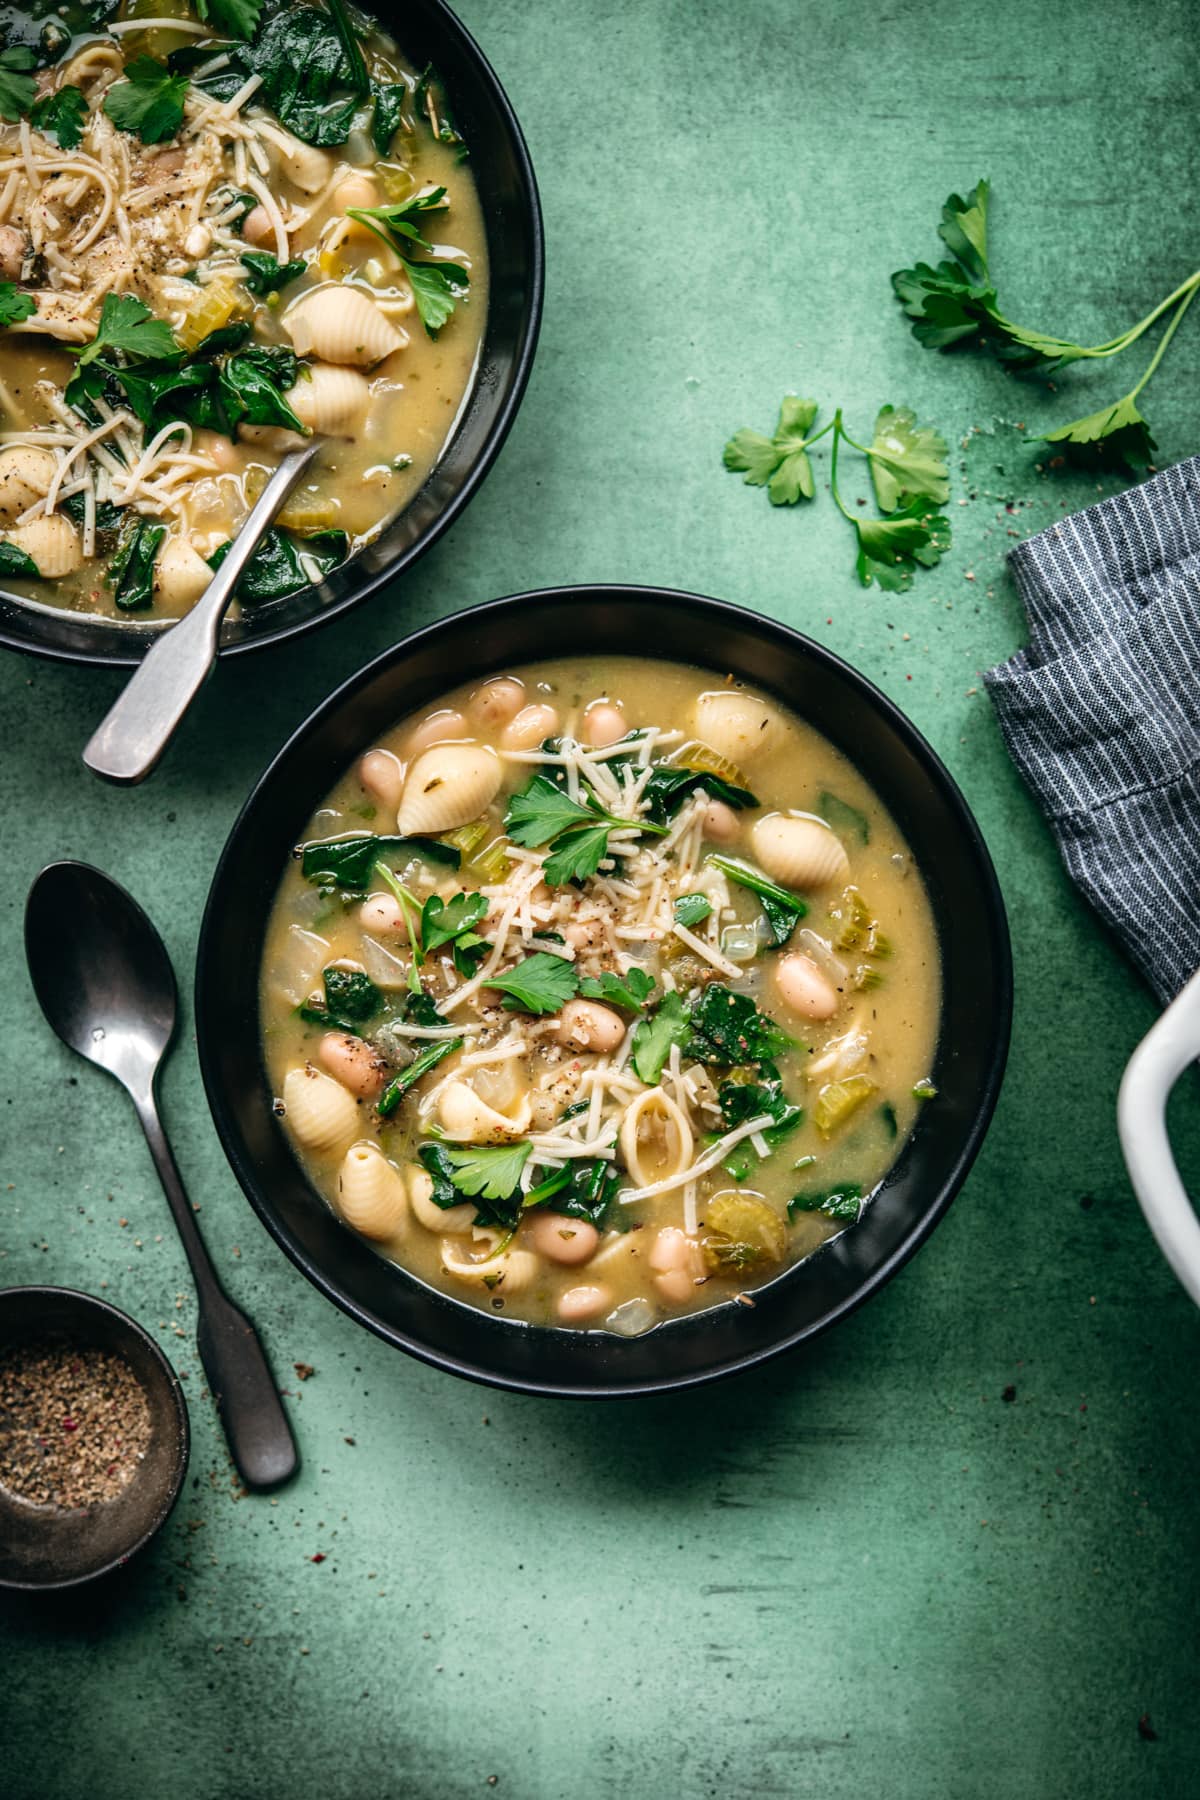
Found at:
<point>100,971</point>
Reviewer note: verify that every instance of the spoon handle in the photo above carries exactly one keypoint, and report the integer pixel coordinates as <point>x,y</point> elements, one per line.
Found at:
<point>129,742</point>
<point>235,1362</point>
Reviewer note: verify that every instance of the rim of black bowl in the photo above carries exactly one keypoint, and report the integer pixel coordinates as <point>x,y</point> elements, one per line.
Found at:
<point>75,1297</point>
<point>547,1360</point>
<point>428,33</point>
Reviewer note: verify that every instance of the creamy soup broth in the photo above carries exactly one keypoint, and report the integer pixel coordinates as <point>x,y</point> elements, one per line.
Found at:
<point>853,993</point>
<point>166,224</point>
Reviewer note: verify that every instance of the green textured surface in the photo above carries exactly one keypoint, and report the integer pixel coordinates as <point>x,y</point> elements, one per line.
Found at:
<point>860,1572</point>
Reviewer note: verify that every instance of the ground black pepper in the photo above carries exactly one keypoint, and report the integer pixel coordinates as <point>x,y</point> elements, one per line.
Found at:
<point>74,1424</point>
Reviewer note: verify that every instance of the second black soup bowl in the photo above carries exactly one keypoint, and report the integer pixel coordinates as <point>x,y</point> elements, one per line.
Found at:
<point>973,1031</point>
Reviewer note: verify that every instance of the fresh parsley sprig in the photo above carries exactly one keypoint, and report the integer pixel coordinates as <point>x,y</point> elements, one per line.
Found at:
<point>14,305</point>
<point>62,114</point>
<point>437,286</point>
<point>908,468</point>
<point>576,830</point>
<point>956,303</point>
<point>541,983</point>
<point>438,922</point>
<point>149,101</point>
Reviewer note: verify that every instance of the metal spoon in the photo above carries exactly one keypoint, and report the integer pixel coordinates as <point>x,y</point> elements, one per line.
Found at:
<point>104,981</point>
<point>129,742</point>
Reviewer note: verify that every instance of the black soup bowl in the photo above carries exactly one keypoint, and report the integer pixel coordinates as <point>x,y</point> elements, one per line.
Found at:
<point>973,1029</point>
<point>428,33</point>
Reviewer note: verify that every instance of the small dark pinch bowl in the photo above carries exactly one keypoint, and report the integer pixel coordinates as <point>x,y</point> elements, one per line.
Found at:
<point>427,33</point>
<point>973,1028</point>
<point>43,1547</point>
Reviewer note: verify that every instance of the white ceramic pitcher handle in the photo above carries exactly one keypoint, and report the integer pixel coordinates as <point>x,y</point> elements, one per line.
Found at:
<point>1154,1068</point>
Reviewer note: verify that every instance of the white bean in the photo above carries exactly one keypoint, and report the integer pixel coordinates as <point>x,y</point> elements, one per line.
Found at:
<point>672,1249</point>
<point>561,1239</point>
<point>676,1285</point>
<point>438,728</point>
<point>581,1303</point>
<point>530,726</point>
<point>498,701</point>
<point>382,775</point>
<point>803,988</point>
<point>721,823</point>
<point>353,1063</point>
<point>603,724</point>
<point>257,227</point>
<point>591,1026</point>
<point>381,915</point>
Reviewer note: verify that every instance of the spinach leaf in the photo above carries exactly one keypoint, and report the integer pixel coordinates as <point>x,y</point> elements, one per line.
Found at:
<point>347,862</point>
<point>844,819</point>
<point>843,1203</point>
<point>265,274</point>
<point>14,561</point>
<point>728,1028</point>
<point>351,994</point>
<point>782,909</point>
<point>277,567</point>
<point>583,1190</point>
<point>131,571</point>
<point>108,519</point>
<point>691,909</point>
<point>251,385</point>
<point>302,60</point>
<point>669,787</point>
<point>390,100</point>
<point>429,1058</point>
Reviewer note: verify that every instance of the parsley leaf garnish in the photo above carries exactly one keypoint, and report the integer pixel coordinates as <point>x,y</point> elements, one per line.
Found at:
<point>630,991</point>
<point>488,1171</point>
<point>653,1037</point>
<point>17,88</point>
<point>543,813</point>
<point>61,113</point>
<point>452,922</point>
<point>14,305</point>
<point>907,459</point>
<point>956,303</point>
<point>265,274</point>
<point>443,1163</point>
<point>437,286</point>
<point>779,463</point>
<point>908,467</point>
<point>541,983</point>
<point>890,549</point>
<point>127,324</point>
<point>148,101</point>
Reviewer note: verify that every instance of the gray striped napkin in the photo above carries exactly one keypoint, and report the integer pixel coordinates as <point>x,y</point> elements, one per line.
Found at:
<point>1102,713</point>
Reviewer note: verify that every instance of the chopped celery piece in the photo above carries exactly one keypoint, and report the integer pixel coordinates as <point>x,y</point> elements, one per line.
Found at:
<point>839,1100</point>
<point>707,761</point>
<point>740,1232</point>
<point>925,1090</point>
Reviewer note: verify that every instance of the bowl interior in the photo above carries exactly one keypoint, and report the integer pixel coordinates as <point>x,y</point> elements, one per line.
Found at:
<point>974,1023</point>
<point>41,1547</point>
<point>428,33</point>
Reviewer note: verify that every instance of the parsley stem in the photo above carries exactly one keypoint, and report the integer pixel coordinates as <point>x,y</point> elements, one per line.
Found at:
<point>838,432</point>
<point>1115,345</point>
<point>818,435</point>
<point>408,905</point>
<point>1167,335</point>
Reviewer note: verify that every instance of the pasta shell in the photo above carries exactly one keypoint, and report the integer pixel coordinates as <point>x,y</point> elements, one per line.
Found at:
<point>466,1116</point>
<point>447,786</point>
<point>320,1113</point>
<point>735,725</point>
<point>332,400</point>
<point>428,1213</point>
<point>342,325</point>
<point>509,1273</point>
<point>800,852</point>
<point>655,1139</point>
<point>370,1193</point>
<point>180,573</point>
<point>52,542</point>
<point>25,476</point>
